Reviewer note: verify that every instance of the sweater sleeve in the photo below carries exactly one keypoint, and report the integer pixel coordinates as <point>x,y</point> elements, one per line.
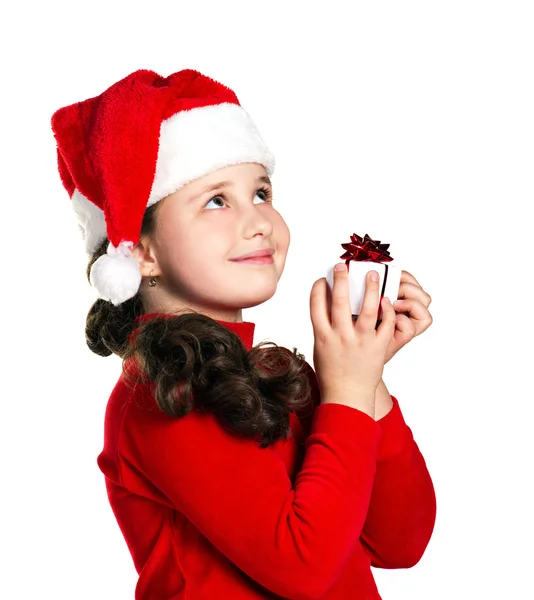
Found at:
<point>402,510</point>
<point>293,539</point>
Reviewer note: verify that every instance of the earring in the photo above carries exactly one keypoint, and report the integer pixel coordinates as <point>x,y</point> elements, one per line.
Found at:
<point>152,280</point>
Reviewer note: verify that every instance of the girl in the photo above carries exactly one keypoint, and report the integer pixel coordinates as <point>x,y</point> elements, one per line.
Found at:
<point>234,471</point>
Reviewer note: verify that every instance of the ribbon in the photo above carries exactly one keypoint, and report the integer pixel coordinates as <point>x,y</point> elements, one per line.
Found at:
<point>367,250</point>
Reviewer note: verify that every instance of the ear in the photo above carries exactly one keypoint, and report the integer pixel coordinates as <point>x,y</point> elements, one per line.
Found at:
<point>144,253</point>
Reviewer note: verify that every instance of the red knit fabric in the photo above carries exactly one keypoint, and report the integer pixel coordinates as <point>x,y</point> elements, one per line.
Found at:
<point>208,515</point>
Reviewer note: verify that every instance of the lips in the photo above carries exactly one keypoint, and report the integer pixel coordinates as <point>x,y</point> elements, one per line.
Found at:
<point>263,253</point>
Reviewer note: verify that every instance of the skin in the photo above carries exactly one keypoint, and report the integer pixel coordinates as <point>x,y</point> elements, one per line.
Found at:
<point>210,228</point>
<point>412,319</point>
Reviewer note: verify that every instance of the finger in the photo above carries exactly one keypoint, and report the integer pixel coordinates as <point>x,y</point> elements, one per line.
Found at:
<point>341,314</point>
<point>406,276</point>
<point>415,311</point>
<point>367,318</point>
<point>410,290</point>
<point>406,328</point>
<point>318,307</point>
<point>386,329</point>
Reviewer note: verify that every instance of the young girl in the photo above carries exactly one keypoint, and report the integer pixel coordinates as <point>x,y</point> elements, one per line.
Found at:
<point>234,471</point>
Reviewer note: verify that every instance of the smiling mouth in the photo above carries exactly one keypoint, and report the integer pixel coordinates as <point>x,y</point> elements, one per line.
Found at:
<point>256,260</point>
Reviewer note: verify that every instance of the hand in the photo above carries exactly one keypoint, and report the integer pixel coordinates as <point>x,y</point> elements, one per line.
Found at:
<point>412,316</point>
<point>349,355</point>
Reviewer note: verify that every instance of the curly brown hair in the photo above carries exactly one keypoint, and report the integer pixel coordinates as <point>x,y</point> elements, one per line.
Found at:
<point>194,361</point>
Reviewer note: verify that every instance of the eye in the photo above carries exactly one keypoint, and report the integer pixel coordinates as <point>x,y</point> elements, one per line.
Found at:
<point>219,197</point>
<point>266,193</point>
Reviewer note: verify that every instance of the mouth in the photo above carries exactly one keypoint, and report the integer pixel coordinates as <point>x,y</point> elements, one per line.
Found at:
<point>264,256</point>
<point>255,260</point>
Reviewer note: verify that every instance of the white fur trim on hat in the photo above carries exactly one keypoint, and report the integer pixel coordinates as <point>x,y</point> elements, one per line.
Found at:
<point>91,221</point>
<point>116,275</point>
<point>199,141</point>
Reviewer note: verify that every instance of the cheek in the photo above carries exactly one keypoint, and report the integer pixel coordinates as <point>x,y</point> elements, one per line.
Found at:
<point>282,241</point>
<point>174,245</point>
<point>282,234</point>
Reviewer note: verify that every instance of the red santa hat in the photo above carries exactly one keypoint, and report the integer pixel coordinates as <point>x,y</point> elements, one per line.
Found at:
<point>139,141</point>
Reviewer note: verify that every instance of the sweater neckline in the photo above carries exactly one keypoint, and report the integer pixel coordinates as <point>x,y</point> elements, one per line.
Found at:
<point>244,329</point>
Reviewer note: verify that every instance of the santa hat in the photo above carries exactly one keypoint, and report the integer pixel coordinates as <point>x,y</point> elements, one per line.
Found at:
<point>139,141</point>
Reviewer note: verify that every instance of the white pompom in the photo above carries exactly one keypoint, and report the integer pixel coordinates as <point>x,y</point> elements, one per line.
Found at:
<point>116,276</point>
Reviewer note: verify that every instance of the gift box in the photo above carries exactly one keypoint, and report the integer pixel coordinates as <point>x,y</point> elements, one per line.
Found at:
<point>363,255</point>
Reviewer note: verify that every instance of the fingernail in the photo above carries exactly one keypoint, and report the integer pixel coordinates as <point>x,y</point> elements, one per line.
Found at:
<point>374,275</point>
<point>340,267</point>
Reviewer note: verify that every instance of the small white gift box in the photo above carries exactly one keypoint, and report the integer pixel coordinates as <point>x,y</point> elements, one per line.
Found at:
<point>357,271</point>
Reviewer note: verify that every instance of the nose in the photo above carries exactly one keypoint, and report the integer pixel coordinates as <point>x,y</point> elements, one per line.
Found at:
<point>256,221</point>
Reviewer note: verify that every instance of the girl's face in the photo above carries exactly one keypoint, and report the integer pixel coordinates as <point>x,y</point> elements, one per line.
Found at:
<point>200,230</point>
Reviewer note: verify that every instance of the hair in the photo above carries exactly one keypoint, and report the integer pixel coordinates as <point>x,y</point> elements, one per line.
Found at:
<point>193,361</point>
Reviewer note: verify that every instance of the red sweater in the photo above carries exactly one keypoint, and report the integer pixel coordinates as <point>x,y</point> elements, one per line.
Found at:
<point>207,515</point>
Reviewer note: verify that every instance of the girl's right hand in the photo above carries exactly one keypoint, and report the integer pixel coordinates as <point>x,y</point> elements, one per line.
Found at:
<point>349,355</point>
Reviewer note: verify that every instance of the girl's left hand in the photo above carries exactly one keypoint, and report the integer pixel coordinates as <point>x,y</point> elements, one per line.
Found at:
<point>414,301</point>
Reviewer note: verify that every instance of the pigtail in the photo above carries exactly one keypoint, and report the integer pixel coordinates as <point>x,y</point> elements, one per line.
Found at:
<point>108,327</point>
<point>195,362</point>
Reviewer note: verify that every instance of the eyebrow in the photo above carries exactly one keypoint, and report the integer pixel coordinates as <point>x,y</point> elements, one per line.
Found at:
<point>222,184</point>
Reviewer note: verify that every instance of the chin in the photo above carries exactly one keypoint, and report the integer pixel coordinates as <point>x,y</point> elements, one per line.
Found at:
<point>252,298</point>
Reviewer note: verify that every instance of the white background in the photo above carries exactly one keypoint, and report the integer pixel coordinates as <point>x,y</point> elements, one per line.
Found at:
<point>410,121</point>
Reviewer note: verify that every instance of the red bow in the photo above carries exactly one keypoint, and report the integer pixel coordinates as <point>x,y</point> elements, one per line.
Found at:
<point>366,249</point>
